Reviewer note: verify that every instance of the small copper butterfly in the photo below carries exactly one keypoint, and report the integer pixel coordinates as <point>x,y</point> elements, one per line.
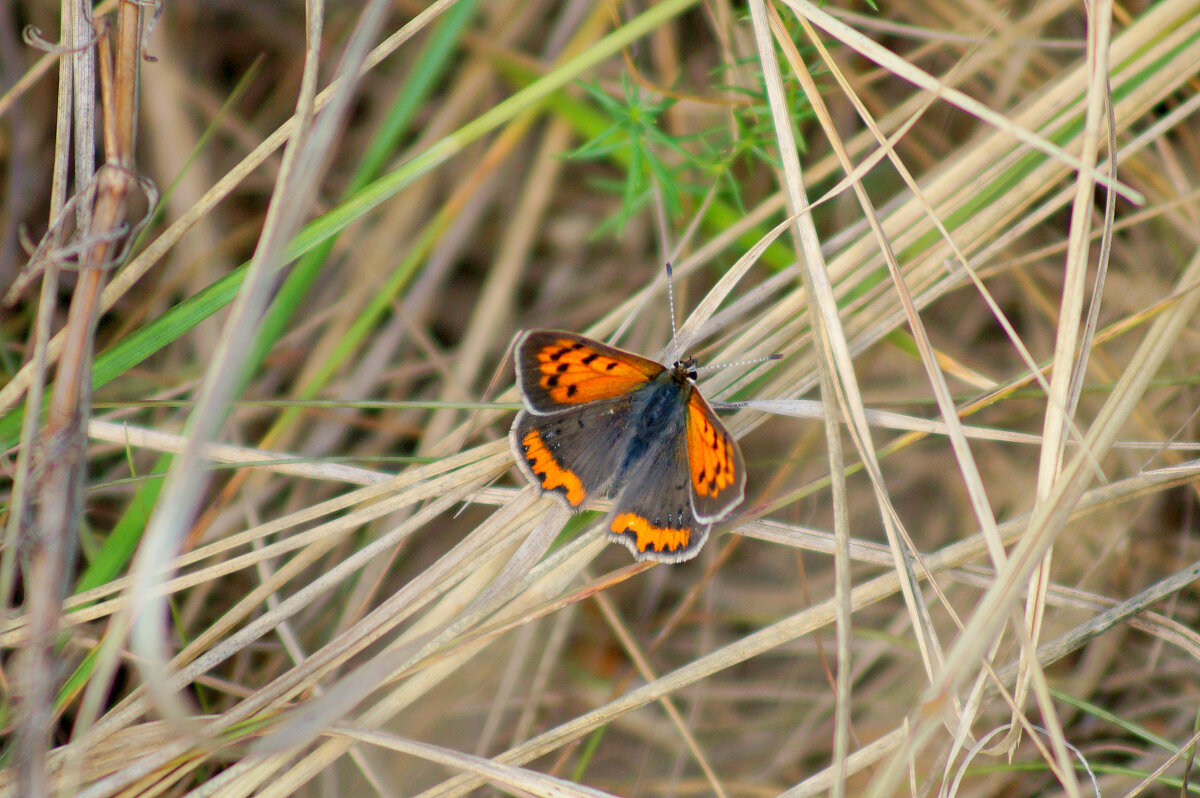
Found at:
<point>600,421</point>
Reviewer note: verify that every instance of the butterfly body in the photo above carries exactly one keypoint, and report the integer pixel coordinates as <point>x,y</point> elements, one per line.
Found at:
<point>655,412</point>
<point>602,422</point>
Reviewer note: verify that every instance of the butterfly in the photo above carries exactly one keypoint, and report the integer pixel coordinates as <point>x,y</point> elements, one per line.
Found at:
<point>602,422</point>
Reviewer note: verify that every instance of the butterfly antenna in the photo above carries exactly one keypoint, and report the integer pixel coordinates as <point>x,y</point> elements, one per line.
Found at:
<point>751,362</point>
<point>671,299</point>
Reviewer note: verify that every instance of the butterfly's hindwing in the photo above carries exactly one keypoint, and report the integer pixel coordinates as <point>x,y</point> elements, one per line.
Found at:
<point>652,513</point>
<point>573,454</point>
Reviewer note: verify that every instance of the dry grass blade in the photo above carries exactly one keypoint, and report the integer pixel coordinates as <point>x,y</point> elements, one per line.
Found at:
<point>304,162</point>
<point>1051,516</point>
<point>1066,375</point>
<point>46,524</point>
<point>837,381</point>
<point>516,779</point>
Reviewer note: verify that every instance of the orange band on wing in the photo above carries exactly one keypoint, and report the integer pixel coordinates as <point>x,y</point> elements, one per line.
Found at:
<point>710,452</point>
<point>550,473</point>
<point>574,373</point>
<point>650,536</point>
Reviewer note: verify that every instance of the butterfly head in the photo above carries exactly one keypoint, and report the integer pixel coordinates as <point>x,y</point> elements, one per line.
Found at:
<point>684,369</point>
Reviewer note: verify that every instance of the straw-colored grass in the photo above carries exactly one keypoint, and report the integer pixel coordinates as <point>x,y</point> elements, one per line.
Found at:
<point>296,554</point>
